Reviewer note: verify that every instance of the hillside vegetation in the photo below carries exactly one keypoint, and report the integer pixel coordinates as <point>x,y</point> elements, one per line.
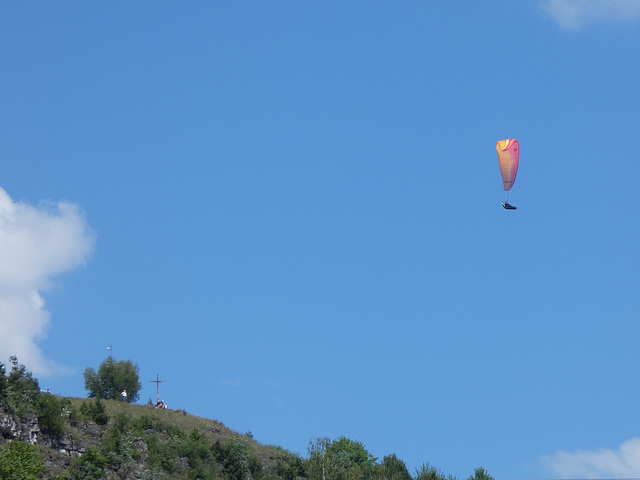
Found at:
<point>51,437</point>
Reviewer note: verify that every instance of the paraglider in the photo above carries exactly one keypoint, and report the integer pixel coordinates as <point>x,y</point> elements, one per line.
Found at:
<point>508,157</point>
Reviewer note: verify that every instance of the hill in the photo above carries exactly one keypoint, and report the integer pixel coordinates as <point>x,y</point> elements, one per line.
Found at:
<point>45,436</point>
<point>86,438</point>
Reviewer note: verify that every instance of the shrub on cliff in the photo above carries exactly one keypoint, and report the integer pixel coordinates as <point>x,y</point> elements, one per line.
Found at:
<point>19,391</point>
<point>20,461</point>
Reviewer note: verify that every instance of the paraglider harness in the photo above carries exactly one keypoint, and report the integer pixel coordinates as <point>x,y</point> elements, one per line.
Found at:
<point>506,206</point>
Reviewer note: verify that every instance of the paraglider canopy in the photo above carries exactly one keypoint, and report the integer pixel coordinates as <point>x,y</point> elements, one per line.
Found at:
<point>508,157</point>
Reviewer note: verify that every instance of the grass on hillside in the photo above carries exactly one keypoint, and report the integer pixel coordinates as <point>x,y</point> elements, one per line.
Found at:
<point>211,429</point>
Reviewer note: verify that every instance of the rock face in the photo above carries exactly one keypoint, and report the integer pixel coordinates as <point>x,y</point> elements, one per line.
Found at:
<point>26,429</point>
<point>63,448</point>
<point>66,445</point>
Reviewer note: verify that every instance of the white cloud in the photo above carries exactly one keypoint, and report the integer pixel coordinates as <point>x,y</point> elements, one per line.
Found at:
<point>573,14</point>
<point>604,463</point>
<point>36,243</point>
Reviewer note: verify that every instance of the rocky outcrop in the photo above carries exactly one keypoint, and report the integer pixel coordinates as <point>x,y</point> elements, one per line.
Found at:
<point>67,445</point>
<point>25,429</point>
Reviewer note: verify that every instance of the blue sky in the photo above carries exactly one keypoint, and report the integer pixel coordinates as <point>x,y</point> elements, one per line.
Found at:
<point>290,211</point>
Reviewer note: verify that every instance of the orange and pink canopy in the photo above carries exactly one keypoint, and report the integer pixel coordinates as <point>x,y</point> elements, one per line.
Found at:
<point>508,157</point>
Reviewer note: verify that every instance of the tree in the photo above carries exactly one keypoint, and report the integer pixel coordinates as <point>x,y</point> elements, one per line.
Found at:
<point>3,382</point>
<point>95,411</point>
<point>19,391</point>
<point>341,459</point>
<point>112,378</point>
<point>354,451</point>
<point>52,412</point>
<point>318,459</point>
<point>392,468</point>
<point>237,459</point>
<point>20,461</point>
<point>428,472</point>
<point>91,465</point>
<point>480,474</point>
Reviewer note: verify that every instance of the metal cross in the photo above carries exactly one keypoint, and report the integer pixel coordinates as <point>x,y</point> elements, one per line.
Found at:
<point>157,381</point>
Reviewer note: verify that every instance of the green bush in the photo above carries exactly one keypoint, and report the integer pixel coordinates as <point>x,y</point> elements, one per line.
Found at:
<point>95,411</point>
<point>3,383</point>
<point>20,461</point>
<point>427,472</point>
<point>200,473</point>
<point>154,452</point>
<point>91,465</point>
<point>162,452</point>
<point>341,459</point>
<point>144,423</point>
<point>53,412</point>
<point>19,389</point>
<point>480,474</point>
<point>198,449</point>
<point>122,422</point>
<point>238,461</point>
<point>392,468</point>
<point>291,468</point>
